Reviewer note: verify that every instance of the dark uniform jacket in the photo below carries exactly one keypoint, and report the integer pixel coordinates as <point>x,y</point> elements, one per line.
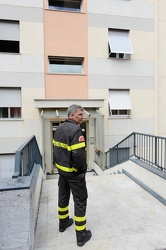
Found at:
<point>69,149</point>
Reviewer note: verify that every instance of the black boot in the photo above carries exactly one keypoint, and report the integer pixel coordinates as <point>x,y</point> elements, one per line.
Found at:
<point>69,223</point>
<point>82,239</point>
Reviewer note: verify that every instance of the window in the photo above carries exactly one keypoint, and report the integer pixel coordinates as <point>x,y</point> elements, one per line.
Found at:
<point>120,104</point>
<point>66,5</point>
<point>10,103</point>
<point>119,44</point>
<point>9,36</point>
<point>66,65</point>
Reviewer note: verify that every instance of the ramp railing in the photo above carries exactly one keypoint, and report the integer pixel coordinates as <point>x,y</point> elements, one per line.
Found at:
<point>147,148</point>
<point>26,156</point>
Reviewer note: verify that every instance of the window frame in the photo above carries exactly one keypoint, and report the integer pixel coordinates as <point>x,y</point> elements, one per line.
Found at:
<point>9,112</point>
<point>121,52</point>
<point>66,62</point>
<point>68,3</point>
<point>10,103</point>
<point>10,42</point>
<point>117,112</point>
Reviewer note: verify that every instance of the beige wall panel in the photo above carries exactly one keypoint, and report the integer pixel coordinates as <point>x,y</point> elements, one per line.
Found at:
<point>97,42</point>
<point>161,9</point>
<point>162,106</point>
<point>161,48</point>
<point>142,103</point>
<point>28,95</point>
<point>143,45</point>
<point>120,128</point>
<point>98,93</point>
<point>32,43</point>
<point>18,132</point>
<point>65,34</point>
<point>66,86</point>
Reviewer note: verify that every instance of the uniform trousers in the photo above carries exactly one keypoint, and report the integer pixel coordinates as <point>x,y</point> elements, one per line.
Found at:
<point>76,185</point>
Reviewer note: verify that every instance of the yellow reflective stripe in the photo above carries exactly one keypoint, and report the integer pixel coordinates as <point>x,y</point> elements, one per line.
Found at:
<point>79,219</point>
<point>80,228</point>
<point>66,169</point>
<point>63,209</point>
<point>62,145</point>
<point>69,148</point>
<point>78,145</point>
<point>63,216</point>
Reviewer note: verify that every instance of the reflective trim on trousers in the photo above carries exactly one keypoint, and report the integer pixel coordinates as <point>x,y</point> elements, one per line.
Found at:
<point>66,169</point>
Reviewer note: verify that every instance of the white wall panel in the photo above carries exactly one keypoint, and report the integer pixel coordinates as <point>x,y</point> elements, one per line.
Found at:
<point>109,66</point>
<point>22,79</point>
<point>21,13</point>
<point>28,3</point>
<point>22,63</point>
<point>120,82</point>
<point>141,9</point>
<point>120,22</point>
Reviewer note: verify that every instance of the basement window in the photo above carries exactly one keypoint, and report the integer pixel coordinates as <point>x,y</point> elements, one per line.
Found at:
<point>65,5</point>
<point>10,103</point>
<point>9,36</point>
<point>120,104</point>
<point>66,65</point>
<point>119,44</point>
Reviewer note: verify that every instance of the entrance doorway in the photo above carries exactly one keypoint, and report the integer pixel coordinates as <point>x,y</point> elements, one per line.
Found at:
<point>85,130</point>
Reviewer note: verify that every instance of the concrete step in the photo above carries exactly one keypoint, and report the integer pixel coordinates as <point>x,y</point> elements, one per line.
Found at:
<point>120,214</point>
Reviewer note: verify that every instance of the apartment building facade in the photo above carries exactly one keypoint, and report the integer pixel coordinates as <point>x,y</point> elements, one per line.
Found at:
<point>106,55</point>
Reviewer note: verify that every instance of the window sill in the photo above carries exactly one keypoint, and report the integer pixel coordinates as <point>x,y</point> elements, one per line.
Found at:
<point>120,117</point>
<point>10,53</point>
<point>68,11</point>
<point>10,119</point>
<point>73,74</point>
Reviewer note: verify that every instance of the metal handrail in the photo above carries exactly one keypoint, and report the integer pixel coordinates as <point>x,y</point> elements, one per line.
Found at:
<point>150,149</point>
<point>26,156</point>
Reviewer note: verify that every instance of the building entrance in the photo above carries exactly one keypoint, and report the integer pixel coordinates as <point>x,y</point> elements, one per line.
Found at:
<point>84,127</point>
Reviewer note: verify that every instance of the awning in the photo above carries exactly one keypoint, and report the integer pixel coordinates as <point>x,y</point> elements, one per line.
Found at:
<point>60,113</point>
<point>92,113</point>
<point>9,30</point>
<point>13,97</point>
<point>119,100</point>
<point>119,41</point>
<point>52,114</point>
<point>65,103</point>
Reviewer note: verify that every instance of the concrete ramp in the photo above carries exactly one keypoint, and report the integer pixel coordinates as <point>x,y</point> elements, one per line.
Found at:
<point>120,214</point>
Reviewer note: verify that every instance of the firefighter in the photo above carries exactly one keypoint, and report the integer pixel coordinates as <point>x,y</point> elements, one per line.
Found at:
<point>70,160</point>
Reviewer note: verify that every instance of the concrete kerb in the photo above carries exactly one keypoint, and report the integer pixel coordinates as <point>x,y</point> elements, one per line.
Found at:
<point>19,209</point>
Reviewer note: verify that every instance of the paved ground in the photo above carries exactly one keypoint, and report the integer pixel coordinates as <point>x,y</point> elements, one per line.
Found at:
<point>120,214</point>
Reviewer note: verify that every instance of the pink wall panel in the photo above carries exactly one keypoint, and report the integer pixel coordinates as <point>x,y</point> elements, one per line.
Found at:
<point>65,33</point>
<point>66,86</point>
